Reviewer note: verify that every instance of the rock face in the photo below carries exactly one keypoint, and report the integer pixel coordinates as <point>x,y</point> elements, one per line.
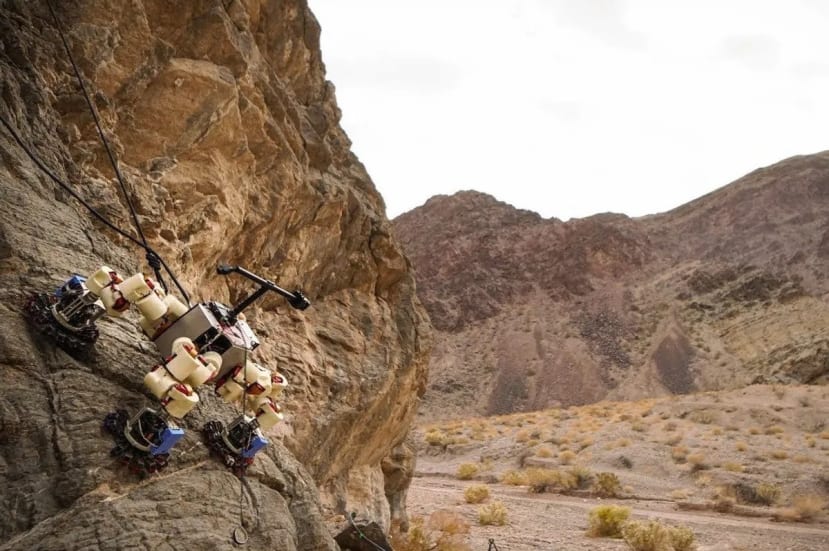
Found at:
<point>724,291</point>
<point>227,133</point>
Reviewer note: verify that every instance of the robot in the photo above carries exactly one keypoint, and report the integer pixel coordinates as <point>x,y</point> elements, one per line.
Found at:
<point>208,343</point>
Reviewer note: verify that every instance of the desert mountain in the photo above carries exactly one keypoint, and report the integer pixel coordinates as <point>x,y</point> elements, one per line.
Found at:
<point>724,291</point>
<point>228,135</point>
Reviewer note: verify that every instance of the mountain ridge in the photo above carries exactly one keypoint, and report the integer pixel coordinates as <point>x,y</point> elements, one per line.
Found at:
<point>610,306</point>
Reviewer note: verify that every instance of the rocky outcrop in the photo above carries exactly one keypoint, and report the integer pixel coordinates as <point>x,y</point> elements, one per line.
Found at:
<point>531,313</point>
<point>227,134</point>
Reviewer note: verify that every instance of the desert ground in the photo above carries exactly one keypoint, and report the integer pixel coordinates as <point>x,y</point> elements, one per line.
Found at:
<point>743,469</point>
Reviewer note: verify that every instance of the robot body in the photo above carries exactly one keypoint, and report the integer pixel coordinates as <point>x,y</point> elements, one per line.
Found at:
<point>208,342</point>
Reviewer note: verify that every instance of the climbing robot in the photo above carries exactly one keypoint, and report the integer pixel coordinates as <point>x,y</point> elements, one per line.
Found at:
<point>205,343</point>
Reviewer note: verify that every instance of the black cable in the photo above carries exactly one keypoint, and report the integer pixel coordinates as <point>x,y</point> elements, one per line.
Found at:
<point>361,534</point>
<point>94,112</point>
<point>153,259</point>
<point>36,160</point>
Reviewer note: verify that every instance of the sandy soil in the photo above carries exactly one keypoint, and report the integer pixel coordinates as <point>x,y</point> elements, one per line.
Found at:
<point>558,523</point>
<point>688,451</point>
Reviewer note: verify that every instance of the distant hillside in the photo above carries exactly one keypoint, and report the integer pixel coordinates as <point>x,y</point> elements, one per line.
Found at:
<point>724,291</point>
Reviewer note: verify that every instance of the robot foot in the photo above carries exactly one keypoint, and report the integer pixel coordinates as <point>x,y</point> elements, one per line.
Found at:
<point>235,445</point>
<point>151,454</point>
<point>39,315</point>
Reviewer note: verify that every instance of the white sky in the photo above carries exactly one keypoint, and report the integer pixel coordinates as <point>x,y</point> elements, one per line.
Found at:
<point>574,107</point>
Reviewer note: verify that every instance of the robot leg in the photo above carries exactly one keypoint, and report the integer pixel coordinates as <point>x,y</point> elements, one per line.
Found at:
<point>68,314</point>
<point>237,444</point>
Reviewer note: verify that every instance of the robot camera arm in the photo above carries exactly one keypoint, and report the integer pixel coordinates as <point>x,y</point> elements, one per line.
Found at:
<point>295,299</point>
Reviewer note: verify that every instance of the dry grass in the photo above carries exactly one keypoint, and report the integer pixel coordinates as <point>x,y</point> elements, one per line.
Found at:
<point>467,471</point>
<point>493,514</point>
<point>655,536</point>
<point>549,480</point>
<point>444,531</point>
<point>607,485</point>
<point>477,493</point>
<point>805,508</point>
<point>515,478</point>
<point>606,521</point>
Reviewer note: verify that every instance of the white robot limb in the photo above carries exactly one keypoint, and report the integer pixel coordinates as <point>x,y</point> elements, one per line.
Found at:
<point>208,342</point>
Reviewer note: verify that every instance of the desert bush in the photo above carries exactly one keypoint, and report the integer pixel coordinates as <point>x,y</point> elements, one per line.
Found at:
<point>607,484</point>
<point>655,536</point>
<point>733,467</point>
<point>493,513</point>
<point>696,461</point>
<point>779,454</point>
<point>761,494</point>
<point>548,480</point>
<point>741,446</point>
<point>435,438</point>
<point>514,478</point>
<point>566,457</point>
<point>476,493</point>
<point>522,435</point>
<point>703,417</point>
<point>605,521</point>
<point>582,476</point>
<point>544,452</point>
<point>775,429</point>
<point>808,506</point>
<point>679,453</point>
<point>445,531</point>
<point>467,470</point>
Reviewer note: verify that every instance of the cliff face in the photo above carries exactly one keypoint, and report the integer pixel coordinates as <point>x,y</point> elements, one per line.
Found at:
<point>722,292</point>
<point>227,133</point>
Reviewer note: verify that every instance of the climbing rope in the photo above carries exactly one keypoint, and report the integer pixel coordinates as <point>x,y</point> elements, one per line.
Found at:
<point>361,534</point>
<point>153,259</point>
<point>97,120</point>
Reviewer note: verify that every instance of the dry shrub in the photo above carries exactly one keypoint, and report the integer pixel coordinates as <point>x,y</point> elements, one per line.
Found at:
<point>724,499</point>
<point>544,452</point>
<point>445,531</point>
<point>522,435</point>
<point>679,453</point>
<point>741,446</point>
<point>761,494</point>
<point>804,508</point>
<point>703,417</point>
<point>655,536</point>
<point>476,493</point>
<point>733,467</point>
<point>515,478</point>
<point>775,429</point>
<point>493,513</point>
<point>605,521</point>
<point>549,480</point>
<point>435,438</point>
<point>566,457</point>
<point>696,461</point>
<point>467,470</point>
<point>779,454</point>
<point>582,476</point>
<point>607,485</point>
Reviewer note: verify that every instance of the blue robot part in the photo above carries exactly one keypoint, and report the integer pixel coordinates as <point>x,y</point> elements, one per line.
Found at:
<point>74,283</point>
<point>256,443</point>
<point>169,437</point>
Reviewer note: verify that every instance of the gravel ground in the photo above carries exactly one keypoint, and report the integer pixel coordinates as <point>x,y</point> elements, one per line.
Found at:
<point>558,523</point>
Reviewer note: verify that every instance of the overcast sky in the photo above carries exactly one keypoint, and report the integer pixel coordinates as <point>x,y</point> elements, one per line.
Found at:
<point>574,107</point>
